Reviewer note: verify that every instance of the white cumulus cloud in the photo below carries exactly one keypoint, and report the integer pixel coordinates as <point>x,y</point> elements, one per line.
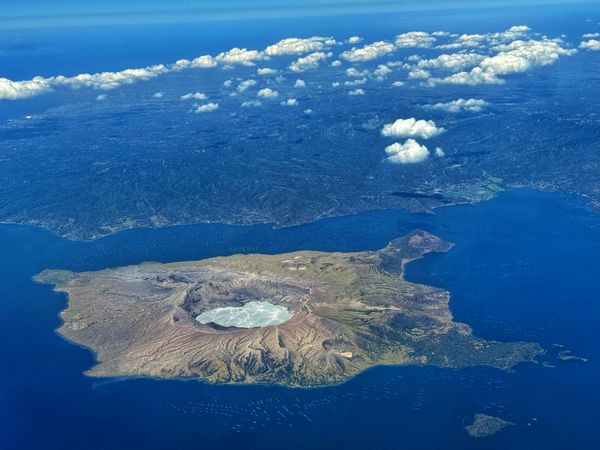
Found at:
<point>592,44</point>
<point>409,152</point>
<point>452,62</point>
<point>239,56</point>
<point>368,52</point>
<point>412,127</point>
<point>357,92</point>
<point>292,46</point>
<point>516,57</point>
<point>267,93</point>
<point>203,62</point>
<point>109,80</point>
<point>456,106</point>
<point>15,90</point>
<point>245,85</point>
<point>208,107</point>
<point>266,71</point>
<point>308,62</point>
<point>415,39</point>
<point>382,71</point>
<point>299,84</point>
<point>193,96</point>
<point>251,103</point>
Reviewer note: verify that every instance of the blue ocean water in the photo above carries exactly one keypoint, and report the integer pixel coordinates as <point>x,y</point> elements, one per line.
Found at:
<point>524,267</point>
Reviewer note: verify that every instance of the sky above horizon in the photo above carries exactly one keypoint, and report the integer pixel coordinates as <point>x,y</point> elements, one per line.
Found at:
<point>32,13</point>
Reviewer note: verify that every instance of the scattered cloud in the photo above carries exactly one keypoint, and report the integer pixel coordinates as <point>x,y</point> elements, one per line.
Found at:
<point>356,82</point>
<point>157,95</point>
<point>482,59</point>
<point>290,102</point>
<point>592,44</point>
<point>451,62</point>
<point>412,127</point>
<point>398,83</point>
<point>293,46</point>
<point>419,74</point>
<point>208,107</point>
<point>368,52</point>
<point>308,62</point>
<point>516,57</point>
<point>354,73</point>
<point>415,39</point>
<point>267,93</point>
<point>299,84</point>
<point>245,85</point>
<point>520,56</point>
<point>357,92</point>
<point>15,90</point>
<point>591,35</point>
<point>108,80</point>
<point>439,152</point>
<point>194,96</point>
<point>460,105</point>
<point>101,97</point>
<point>409,152</point>
<point>476,76</point>
<point>239,56</point>
<point>251,103</point>
<point>266,71</point>
<point>203,62</point>
<point>382,71</point>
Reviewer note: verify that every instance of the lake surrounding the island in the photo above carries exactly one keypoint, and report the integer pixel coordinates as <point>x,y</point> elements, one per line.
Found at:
<point>524,267</point>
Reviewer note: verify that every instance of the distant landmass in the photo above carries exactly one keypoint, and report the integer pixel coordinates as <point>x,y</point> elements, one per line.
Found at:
<point>303,319</point>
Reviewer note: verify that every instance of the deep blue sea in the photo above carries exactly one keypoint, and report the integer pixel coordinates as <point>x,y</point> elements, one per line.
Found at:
<point>525,266</point>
